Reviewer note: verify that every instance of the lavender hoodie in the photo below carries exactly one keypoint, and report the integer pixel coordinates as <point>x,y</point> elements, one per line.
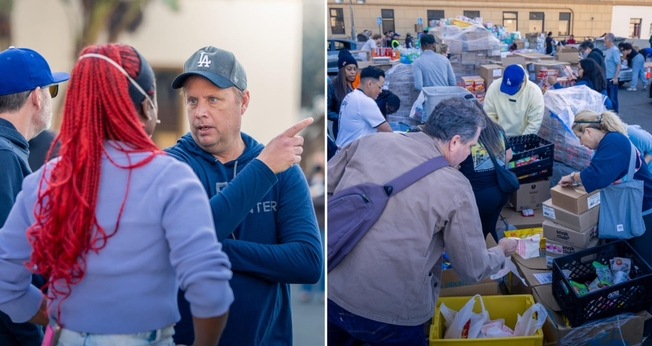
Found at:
<point>166,240</point>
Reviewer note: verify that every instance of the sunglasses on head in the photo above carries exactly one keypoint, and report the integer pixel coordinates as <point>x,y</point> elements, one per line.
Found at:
<point>53,89</point>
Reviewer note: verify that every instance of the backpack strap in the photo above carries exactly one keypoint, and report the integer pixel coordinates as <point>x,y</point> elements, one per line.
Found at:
<point>415,174</point>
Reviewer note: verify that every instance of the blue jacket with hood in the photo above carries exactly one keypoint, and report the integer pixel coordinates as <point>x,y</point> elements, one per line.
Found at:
<point>267,226</point>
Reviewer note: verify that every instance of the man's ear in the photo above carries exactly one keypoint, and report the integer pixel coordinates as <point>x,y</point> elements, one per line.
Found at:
<point>245,101</point>
<point>36,98</point>
<point>454,143</point>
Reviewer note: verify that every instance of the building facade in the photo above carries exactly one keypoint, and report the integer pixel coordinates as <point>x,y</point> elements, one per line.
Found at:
<point>582,18</point>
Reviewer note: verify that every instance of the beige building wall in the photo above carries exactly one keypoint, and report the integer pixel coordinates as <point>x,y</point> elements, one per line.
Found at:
<point>589,18</point>
<point>249,28</point>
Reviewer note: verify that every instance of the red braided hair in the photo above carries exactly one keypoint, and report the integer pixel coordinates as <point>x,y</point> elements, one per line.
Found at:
<point>97,108</point>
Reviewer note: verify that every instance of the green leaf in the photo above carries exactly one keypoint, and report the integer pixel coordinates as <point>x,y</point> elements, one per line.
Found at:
<point>172,4</point>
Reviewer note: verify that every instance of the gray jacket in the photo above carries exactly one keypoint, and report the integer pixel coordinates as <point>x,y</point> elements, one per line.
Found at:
<point>393,274</point>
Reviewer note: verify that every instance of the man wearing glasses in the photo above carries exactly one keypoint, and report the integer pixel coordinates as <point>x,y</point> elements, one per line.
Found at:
<point>359,113</point>
<point>27,87</point>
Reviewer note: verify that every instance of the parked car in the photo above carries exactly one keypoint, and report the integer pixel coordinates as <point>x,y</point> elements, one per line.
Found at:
<point>625,71</point>
<point>334,46</point>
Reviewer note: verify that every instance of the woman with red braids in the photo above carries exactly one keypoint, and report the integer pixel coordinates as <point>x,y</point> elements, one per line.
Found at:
<point>115,224</point>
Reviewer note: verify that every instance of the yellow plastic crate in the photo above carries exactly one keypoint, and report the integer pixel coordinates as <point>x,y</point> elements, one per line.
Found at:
<point>498,307</point>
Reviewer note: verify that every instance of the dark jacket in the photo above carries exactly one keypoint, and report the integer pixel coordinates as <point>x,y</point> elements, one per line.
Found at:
<point>14,168</point>
<point>598,57</point>
<point>333,104</point>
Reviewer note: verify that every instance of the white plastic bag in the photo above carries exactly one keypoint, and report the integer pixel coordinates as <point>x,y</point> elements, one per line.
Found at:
<point>496,329</point>
<point>466,324</point>
<point>532,319</point>
<point>418,107</point>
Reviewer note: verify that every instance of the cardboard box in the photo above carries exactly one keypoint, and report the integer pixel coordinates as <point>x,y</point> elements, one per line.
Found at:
<point>572,58</point>
<point>548,65</point>
<point>519,221</point>
<point>488,82</point>
<point>513,59</point>
<point>574,199</point>
<point>533,271</point>
<point>491,71</point>
<point>558,249</point>
<point>558,233</point>
<point>473,84</point>
<point>567,219</point>
<point>530,196</point>
<point>608,332</point>
<point>535,56</point>
<point>520,44</point>
<point>453,286</point>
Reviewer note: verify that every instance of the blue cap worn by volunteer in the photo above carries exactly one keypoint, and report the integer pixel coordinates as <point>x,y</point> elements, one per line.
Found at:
<point>512,79</point>
<point>23,69</point>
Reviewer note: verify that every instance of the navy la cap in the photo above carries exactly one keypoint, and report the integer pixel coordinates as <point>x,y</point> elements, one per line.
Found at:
<point>23,69</point>
<point>217,65</point>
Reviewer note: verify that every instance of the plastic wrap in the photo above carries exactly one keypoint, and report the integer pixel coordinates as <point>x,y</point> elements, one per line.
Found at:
<point>400,80</point>
<point>567,102</point>
<point>587,332</point>
<point>562,105</point>
<point>469,47</point>
<point>468,39</point>
<point>568,149</point>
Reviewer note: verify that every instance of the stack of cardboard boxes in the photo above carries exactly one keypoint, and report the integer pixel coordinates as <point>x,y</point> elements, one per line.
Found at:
<point>490,73</point>
<point>474,84</point>
<point>571,219</point>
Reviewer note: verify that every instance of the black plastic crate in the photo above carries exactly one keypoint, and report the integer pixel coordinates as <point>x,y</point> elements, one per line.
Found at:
<point>541,175</point>
<point>630,296</point>
<point>530,145</point>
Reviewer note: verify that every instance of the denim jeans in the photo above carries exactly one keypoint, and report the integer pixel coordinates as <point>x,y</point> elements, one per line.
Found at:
<point>347,329</point>
<point>160,337</point>
<point>638,71</point>
<point>612,92</point>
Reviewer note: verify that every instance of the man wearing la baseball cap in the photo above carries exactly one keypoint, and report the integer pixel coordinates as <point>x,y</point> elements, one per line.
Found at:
<point>27,86</point>
<point>515,102</point>
<point>260,201</point>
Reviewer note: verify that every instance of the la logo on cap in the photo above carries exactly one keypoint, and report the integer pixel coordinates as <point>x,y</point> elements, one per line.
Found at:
<point>509,82</point>
<point>203,60</point>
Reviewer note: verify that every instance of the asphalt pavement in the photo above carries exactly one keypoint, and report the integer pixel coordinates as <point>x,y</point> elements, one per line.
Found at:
<point>307,319</point>
<point>635,106</point>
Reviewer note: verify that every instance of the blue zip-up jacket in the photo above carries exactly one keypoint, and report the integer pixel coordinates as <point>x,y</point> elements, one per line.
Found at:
<point>14,151</point>
<point>267,226</point>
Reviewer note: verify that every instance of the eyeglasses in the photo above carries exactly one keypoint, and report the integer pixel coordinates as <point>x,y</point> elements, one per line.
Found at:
<point>53,89</point>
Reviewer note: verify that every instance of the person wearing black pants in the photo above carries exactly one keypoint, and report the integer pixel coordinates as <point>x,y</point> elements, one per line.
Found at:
<point>479,169</point>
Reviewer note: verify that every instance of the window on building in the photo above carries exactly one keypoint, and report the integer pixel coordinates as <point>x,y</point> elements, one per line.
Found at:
<point>564,24</point>
<point>337,21</point>
<point>388,20</point>
<point>472,14</point>
<point>510,21</point>
<point>434,15</point>
<point>635,28</point>
<point>537,22</point>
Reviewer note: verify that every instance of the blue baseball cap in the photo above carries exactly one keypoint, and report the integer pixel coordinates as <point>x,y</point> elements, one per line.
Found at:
<point>512,79</point>
<point>23,69</point>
